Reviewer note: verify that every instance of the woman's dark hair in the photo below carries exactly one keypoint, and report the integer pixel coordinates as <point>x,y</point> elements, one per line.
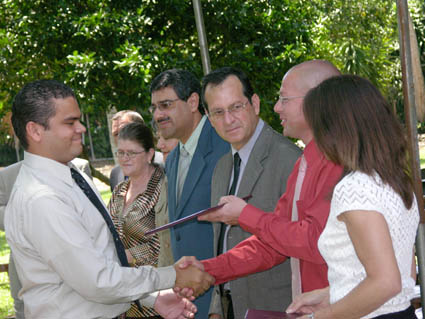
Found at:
<point>139,133</point>
<point>354,127</point>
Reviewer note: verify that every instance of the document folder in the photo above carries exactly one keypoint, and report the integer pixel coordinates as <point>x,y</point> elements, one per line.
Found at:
<point>187,218</point>
<point>265,314</point>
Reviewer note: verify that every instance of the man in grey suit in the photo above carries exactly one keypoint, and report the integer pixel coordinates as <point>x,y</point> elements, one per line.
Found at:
<point>261,159</point>
<point>7,179</point>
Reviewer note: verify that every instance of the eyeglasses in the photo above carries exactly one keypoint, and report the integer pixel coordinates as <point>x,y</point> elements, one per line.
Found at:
<point>286,99</point>
<point>162,105</point>
<point>234,109</point>
<point>129,154</point>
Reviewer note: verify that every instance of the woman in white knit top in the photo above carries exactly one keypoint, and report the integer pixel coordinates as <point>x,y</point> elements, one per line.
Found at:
<point>369,238</point>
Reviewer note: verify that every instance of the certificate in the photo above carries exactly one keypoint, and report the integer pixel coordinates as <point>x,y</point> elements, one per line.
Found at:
<point>187,218</point>
<point>265,314</point>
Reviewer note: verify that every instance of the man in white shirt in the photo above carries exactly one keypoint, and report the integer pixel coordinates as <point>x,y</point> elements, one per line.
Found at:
<point>65,254</point>
<point>7,180</point>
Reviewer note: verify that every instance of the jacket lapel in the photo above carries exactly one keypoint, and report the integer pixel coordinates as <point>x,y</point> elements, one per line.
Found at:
<point>220,187</point>
<point>172,181</point>
<point>254,167</point>
<point>223,177</point>
<point>196,167</point>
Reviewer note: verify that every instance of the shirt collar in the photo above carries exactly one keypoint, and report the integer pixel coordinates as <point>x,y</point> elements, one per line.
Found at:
<point>245,150</point>
<point>52,167</point>
<point>192,142</point>
<point>312,152</point>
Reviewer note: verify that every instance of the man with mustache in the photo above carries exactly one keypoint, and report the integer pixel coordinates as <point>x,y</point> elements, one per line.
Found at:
<point>176,109</point>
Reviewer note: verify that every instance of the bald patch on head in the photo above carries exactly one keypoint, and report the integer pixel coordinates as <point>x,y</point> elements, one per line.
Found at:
<point>309,74</point>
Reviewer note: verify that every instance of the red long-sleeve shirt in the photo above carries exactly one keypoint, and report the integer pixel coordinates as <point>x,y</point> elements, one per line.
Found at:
<point>276,237</point>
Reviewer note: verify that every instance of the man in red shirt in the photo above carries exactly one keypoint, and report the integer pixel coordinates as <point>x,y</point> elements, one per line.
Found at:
<point>279,236</point>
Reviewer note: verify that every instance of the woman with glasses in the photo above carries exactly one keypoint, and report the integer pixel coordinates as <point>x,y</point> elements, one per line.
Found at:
<point>138,201</point>
<point>368,241</point>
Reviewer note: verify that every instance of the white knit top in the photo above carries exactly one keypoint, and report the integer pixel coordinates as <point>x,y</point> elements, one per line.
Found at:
<point>358,191</point>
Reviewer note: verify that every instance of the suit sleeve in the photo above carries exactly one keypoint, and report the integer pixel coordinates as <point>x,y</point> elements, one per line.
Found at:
<point>3,202</point>
<point>215,305</point>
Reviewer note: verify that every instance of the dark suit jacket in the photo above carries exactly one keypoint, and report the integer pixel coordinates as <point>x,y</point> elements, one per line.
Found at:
<point>115,177</point>
<point>194,238</point>
<point>269,165</point>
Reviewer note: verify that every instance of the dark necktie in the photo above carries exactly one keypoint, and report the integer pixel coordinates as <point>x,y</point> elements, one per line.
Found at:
<point>88,191</point>
<point>236,168</point>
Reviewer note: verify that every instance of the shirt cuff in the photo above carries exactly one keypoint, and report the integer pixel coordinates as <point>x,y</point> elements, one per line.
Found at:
<point>149,300</point>
<point>167,277</point>
<point>215,268</point>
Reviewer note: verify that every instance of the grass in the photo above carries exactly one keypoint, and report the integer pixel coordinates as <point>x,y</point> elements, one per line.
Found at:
<point>106,195</point>
<point>6,301</point>
<point>422,157</point>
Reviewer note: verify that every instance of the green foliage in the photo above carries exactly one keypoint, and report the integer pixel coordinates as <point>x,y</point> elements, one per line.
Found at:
<point>263,38</point>
<point>109,50</point>
<point>360,37</point>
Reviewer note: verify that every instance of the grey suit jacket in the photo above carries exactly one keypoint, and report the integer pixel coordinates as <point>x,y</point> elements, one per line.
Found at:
<point>165,257</point>
<point>7,180</point>
<point>265,175</point>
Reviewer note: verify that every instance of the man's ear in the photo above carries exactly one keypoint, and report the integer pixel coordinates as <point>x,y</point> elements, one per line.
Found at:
<point>193,101</point>
<point>255,99</point>
<point>34,131</point>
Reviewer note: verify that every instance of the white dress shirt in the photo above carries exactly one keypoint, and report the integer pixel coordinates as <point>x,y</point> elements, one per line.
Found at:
<point>64,251</point>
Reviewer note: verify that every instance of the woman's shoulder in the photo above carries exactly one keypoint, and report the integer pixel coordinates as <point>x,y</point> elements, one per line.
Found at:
<point>361,180</point>
<point>361,186</point>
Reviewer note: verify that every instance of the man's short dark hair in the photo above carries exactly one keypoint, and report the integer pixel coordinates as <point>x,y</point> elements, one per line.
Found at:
<point>218,76</point>
<point>34,103</point>
<point>183,82</point>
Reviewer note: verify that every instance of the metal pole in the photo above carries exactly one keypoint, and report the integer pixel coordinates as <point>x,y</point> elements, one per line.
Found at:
<point>200,27</point>
<point>411,119</point>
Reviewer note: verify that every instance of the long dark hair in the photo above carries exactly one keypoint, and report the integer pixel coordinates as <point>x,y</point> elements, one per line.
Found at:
<point>353,125</point>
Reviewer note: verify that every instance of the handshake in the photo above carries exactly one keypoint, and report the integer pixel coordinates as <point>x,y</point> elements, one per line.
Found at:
<point>191,279</point>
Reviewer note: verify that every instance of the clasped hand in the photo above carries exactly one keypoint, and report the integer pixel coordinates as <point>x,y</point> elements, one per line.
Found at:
<point>191,279</point>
